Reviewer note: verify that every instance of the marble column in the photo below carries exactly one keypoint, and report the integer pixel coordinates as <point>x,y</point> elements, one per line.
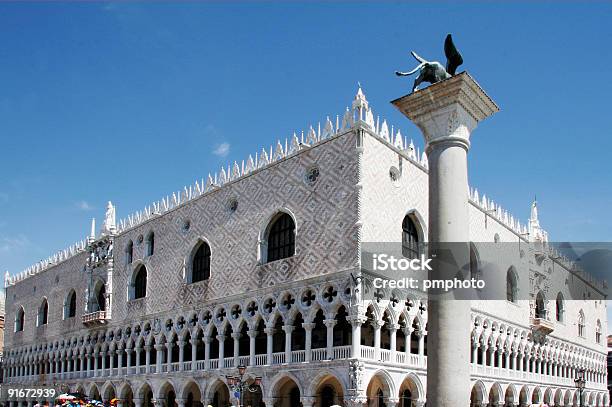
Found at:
<point>159,348</point>
<point>236,337</point>
<point>269,344</point>
<point>377,325</point>
<point>446,113</point>
<point>207,339</point>
<point>288,330</point>
<point>169,346</point>
<point>330,323</point>
<point>308,327</point>
<point>252,335</point>
<point>137,354</point>
<point>148,358</point>
<point>393,342</point>
<point>221,340</point>
<point>194,352</point>
<point>181,345</point>
<point>356,322</point>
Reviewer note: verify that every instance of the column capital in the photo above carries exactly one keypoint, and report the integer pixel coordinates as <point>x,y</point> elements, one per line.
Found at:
<point>269,330</point>
<point>252,333</point>
<point>357,319</point>
<point>308,326</point>
<point>220,338</point>
<point>393,327</point>
<point>182,343</point>
<point>288,328</point>
<point>236,335</point>
<point>448,111</point>
<point>330,323</point>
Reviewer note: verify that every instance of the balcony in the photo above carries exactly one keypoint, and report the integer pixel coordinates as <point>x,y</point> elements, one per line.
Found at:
<point>95,318</point>
<point>542,326</point>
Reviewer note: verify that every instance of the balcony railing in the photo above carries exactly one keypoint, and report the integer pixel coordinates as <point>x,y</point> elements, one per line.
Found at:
<point>95,318</point>
<point>542,325</point>
<point>398,358</point>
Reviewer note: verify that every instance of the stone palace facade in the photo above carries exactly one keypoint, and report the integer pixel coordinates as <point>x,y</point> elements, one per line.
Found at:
<point>254,266</point>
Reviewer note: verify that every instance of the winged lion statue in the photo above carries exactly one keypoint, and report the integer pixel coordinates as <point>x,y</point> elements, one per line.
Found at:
<point>433,71</point>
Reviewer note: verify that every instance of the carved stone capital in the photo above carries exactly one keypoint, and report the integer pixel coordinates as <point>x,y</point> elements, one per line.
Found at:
<point>448,111</point>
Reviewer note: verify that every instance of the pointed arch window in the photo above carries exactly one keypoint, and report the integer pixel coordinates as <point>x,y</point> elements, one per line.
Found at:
<point>100,298</point>
<point>200,265</point>
<point>540,306</point>
<point>19,319</point>
<point>43,313</point>
<point>70,305</point>
<point>511,285</point>
<point>129,252</point>
<point>151,244</point>
<point>410,238</point>
<point>139,284</point>
<point>598,332</point>
<point>581,324</point>
<point>281,238</point>
<point>560,307</point>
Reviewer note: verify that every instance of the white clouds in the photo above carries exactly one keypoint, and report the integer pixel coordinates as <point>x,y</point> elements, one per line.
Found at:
<point>84,206</point>
<point>222,150</point>
<point>10,244</point>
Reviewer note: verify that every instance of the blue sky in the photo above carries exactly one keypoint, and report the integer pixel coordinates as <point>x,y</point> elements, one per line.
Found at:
<point>130,101</point>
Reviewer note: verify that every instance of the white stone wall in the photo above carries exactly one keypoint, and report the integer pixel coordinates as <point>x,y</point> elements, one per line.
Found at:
<point>328,216</point>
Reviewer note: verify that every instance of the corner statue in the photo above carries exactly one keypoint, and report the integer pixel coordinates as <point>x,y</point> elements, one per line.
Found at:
<point>433,72</point>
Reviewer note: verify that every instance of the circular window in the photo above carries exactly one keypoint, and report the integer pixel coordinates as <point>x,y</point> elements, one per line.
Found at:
<point>140,239</point>
<point>394,176</point>
<point>311,175</point>
<point>186,225</point>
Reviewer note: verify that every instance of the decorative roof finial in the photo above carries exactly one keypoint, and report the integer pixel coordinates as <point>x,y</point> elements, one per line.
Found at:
<point>534,210</point>
<point>108,227</point>
<point>92,234</point>
<point>360,101</point>
<point>7,278</point>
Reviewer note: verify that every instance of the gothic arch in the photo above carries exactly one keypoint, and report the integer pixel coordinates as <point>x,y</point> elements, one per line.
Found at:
<point>412,382</point>
<point>419,222</point>
<point>124,390</point>
<point>279,380</point>
<point>93,392</point>
<point>495,394</point>
<point>195,246</point>
<point>511,395</point>
<point>108,391</point>
<point>264,229</point>
<point>548,396</point>
<point>190,386</point>
<point>320,378</point>
<point>165,387</point>
<point>142,391</point>
<point>386,382</point>
<point>70,304</point>
<point>479,394</point>
<point>536,395</point>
